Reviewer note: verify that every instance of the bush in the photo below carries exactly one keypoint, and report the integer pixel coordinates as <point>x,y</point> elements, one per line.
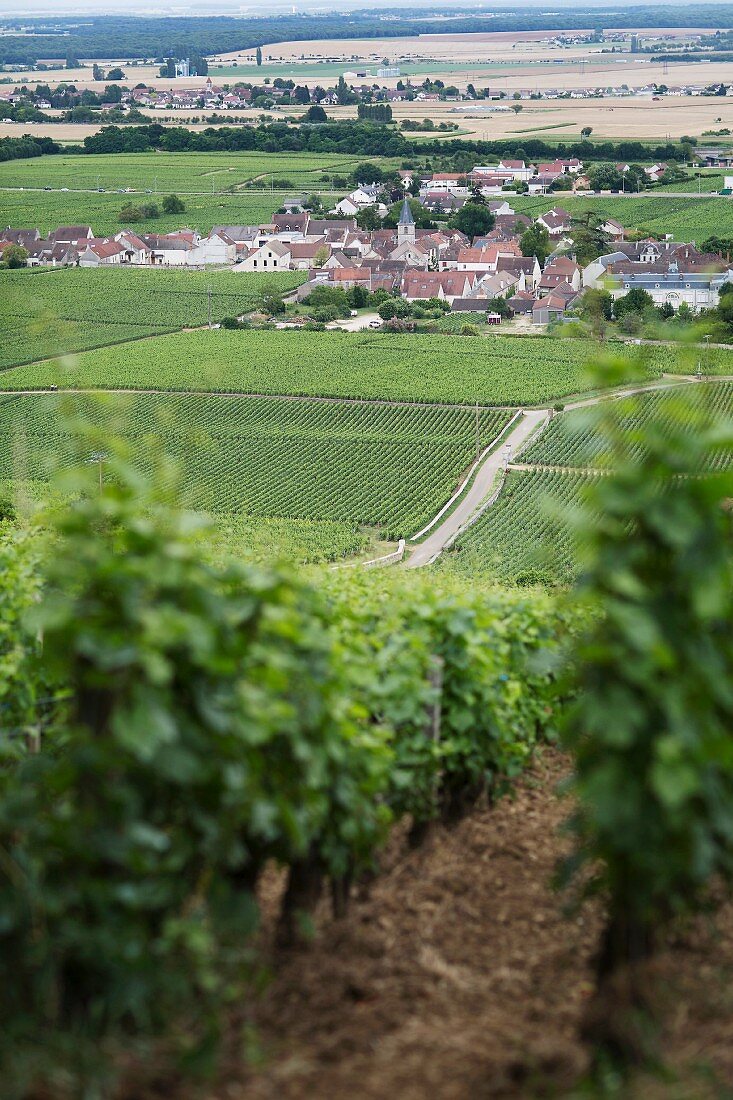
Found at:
<point>393,307</point>
<point>206,728</point>
<point>650,732</point>
<point>173,205</point>
<point>469,330</point>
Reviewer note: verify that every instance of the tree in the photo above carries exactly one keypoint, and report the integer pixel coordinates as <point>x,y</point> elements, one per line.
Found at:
<point>342,91</point>
<point>596,303</point>
<point>301,94</point>
<point>589,240</point>
<point>368,219</point>
<point>500,306</point>
<point>636,301</point>
<point>173,205</point>
<point>586,132</point>
<point>516,107</point>
<point>258,55</point>
<point>97,73</point>
<point>14,256</point>
<point>535,241</point>
<point>394,307</point>
<point>358,297</point>
<point>115,74</point>
<point>474,219</point>
<point>367,172</point>
<point>315,113</point>
<point>605,177</point>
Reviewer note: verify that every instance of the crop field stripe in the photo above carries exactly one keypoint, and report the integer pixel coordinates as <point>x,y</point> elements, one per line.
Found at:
<point>372,464</point>
<point>46,314</point>
<point>570,440</point>
<point>296,398</point>
<point>523,538</point>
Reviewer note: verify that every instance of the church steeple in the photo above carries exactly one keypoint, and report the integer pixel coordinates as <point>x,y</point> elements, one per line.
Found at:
<point>406,224</point>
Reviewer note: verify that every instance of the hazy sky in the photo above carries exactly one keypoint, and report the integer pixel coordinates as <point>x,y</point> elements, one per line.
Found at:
<point>18,8</point>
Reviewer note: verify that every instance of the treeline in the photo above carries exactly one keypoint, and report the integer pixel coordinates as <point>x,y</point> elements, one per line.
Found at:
<point>374,112</point>
<point>25,147</point>
<point>336,137</point>
<point>359,138</point>
<point>355,138</point>
<point>122,36</point>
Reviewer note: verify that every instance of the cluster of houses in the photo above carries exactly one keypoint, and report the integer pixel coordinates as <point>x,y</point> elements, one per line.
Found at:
<point>416,264</point>
<point>76,245</point>
<point>207,96</point>
<point>448,190</point>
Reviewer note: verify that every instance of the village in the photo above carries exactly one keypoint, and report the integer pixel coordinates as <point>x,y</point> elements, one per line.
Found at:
<point>487,259</point>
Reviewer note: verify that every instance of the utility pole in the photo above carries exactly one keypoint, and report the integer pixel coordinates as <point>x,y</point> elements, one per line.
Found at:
<point>208,291</point>
<point>478,434</point>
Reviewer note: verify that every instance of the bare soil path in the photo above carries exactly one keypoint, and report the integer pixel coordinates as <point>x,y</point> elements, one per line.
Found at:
<point>457,975</point>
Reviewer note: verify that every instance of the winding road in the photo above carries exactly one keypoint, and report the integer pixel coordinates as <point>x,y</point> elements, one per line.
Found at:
<point>428,551</point>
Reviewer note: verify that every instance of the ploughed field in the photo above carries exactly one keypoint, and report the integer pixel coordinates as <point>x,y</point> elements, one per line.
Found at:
<point>383,466</point>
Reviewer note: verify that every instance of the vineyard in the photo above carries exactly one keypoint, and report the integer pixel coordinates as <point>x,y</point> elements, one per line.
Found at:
<point>382,366</point>
<point>46,210</point>
<point>573,440</point>
<point>264,538</point>
<point>686,218</point>
<point>166,173</point>
<point>47,313</point>
<point>384,466</point>
<point>523,538</point>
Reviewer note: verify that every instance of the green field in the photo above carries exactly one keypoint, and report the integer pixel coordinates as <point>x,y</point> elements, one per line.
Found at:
<point>164,173</point>
<point>523,538</point>
<point>47,312</point>
<point>46,210</point>
<point>383,466</point>
<point>495,370</point>
<point>262,538</point>
<point>710,180</point>
<point>688,219</point>
<point>527,536</point>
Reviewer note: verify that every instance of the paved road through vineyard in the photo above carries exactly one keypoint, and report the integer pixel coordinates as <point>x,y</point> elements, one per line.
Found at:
<point>479,490</point>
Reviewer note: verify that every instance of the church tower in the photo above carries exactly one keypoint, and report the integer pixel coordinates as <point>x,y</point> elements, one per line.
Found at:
<point>406,224</point>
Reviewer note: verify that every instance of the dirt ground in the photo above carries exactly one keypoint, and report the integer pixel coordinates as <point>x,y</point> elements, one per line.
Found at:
<point>457,976</point>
